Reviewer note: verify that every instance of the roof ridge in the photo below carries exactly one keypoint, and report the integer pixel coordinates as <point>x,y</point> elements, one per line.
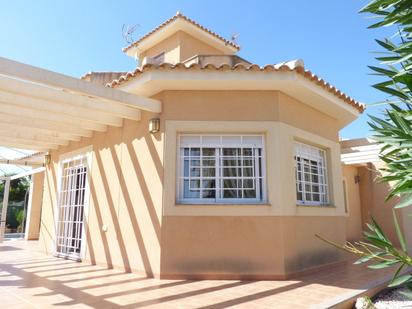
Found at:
<point>173,18</point>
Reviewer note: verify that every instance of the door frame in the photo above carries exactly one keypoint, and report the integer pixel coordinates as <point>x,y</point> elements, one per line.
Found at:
<point>85,152</point>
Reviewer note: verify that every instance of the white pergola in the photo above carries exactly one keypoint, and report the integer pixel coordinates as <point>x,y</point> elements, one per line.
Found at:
<point>41,110</point>
<point>5,202</point>
<point>24,163</point>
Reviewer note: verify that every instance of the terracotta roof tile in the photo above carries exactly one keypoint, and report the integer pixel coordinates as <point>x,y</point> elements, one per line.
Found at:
<point>295,66</point>
<point>175,17</point>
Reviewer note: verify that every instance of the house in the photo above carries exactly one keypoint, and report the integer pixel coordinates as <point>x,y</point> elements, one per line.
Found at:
<point>365,195</point>
<point>227,169</point>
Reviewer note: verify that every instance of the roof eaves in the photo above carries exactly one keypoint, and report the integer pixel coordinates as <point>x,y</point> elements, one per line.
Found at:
<point>175,17</point>
<point>290,66</point>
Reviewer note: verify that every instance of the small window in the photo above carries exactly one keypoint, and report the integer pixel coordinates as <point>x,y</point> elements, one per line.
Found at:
<point>221,169</point>
<point>311,175</point>
<point>159,59</point>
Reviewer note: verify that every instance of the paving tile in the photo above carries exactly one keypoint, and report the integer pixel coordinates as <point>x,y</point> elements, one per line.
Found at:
<point>29,279</point>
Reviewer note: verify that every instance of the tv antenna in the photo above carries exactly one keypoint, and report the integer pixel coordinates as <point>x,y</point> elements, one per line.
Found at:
<point>128,31</point>
<point>234,37</point>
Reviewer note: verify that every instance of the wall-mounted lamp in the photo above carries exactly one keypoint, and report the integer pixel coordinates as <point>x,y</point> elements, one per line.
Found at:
<point>154,125</point>
<point>47,159</point>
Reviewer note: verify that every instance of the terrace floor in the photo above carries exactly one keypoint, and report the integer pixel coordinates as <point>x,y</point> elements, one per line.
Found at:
<point>30,279</point>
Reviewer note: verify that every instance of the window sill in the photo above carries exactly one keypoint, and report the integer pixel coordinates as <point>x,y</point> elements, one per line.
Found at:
<point>315,206</point>
<point>181,204</point>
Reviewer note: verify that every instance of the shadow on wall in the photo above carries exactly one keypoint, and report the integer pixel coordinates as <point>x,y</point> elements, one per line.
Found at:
<point>47,226</point>
<point>122,199</point>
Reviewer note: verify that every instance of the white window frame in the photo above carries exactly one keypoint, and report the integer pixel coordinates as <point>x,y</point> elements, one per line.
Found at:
<point>218,199</point>
<point>86,153</point>
<point>345,195</point>
<point>308,152</point>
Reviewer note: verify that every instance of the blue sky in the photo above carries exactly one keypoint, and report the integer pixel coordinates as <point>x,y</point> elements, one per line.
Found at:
<point>73,37</point>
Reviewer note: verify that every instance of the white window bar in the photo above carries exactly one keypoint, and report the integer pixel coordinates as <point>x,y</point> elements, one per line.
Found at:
<point>70,215</point>
<point>221,169</point>
<point>345,195</point>
<point>311,175</point>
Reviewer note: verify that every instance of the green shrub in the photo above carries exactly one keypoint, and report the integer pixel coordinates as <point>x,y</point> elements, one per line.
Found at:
<point>394,132</point>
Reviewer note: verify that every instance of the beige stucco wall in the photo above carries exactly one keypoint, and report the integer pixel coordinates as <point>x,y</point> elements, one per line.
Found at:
<point>246,247</point>
<point>133,191</point>
<point>265,106</point>
<point>354,216</point>
<point>271,240</point>
<point>125,195</point>
<point>170,47</point>
<point>179,47</point>
<point>302,250</point>
<point>366,200</point>
<point>373,194</point>
<point>190,46</point>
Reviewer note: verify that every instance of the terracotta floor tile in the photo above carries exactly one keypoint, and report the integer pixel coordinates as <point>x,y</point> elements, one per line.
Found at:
<point>29,279</point>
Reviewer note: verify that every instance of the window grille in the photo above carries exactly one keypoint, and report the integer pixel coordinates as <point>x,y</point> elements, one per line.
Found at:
<point>311,175</point>
<point>70,210</point>
<point>221,169</point>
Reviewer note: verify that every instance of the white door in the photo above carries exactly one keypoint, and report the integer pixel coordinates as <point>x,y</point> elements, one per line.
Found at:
<point>71,208</point>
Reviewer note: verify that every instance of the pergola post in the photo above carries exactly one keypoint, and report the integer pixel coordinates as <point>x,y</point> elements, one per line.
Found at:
<point>4,209</point>
<point>33,214</point>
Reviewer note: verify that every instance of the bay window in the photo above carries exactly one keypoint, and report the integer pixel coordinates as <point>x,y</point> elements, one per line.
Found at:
<point>221,169</point>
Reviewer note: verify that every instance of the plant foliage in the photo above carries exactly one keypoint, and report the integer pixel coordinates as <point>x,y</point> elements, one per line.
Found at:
<point>394,130</point>
<point>394,133</point>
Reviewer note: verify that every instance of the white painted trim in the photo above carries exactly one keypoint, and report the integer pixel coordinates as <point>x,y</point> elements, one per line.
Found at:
<point>40,76</point>
<point>69,156</point>
<point>24,146</point>
<point>52,95</point>
<point>28,173</point>
<point>322,161</point>
<point>29,113</point>
<point>20,162</point>
<point>51,126</point>
<point>73,111</point>
<point>219,200</point>
<point>23,129</point>
<point>359,152</point>
<point>4,209</point>
<point>30,138</point>
<point>346,195</point>
<point>29,208</point>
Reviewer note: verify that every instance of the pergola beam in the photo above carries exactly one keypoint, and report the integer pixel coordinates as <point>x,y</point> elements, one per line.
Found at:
<point>15,144</point>
<point>20,163</point>
<point>33,137</point>
<point>37,131</point>
<point>42,110</point>
<point>73,112</point>
<point>27,141</point>
<point>53,95</point>
<point>28,173</point>
<point>40,124</point>
<point>27,113</point>
<point>71,84</point>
